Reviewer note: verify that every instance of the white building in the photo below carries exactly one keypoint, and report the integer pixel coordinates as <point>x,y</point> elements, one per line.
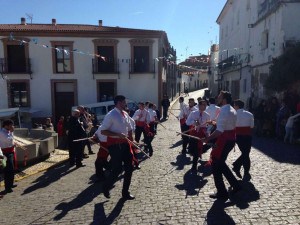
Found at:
<point>52,67</point>
<point>252,32</point>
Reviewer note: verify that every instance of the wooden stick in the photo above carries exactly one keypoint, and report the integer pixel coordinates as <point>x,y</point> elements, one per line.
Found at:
<point>191,136</point>
<point>162,125</point>
<point>82,139</point>
<point>173,114</point>
<point>136,146</point>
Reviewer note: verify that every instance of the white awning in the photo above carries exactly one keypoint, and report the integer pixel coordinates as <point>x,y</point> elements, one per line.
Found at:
<point>7,113</point>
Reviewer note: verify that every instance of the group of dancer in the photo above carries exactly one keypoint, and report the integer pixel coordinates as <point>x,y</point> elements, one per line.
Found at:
<point>202,126</point>
<point>219,127</point>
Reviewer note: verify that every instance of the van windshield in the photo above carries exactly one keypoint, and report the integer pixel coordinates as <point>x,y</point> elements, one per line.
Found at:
<point>101,110</point>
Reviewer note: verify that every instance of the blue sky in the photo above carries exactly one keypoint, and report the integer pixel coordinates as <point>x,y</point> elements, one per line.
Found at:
<point>190,24</point>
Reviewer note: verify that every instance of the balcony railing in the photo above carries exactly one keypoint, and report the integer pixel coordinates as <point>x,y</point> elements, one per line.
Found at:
<point>136,67</point>
<point>101,67</point>
<point>9,67</point>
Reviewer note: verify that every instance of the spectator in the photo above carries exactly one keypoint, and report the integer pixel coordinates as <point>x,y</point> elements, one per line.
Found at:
<point>61,133</point>
<point>290,129</point>
<point>259,116</point>
<point>165,103</point>
<point>48,125</point>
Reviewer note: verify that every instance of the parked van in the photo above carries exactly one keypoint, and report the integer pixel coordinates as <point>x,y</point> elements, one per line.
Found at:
<point>100,109</point>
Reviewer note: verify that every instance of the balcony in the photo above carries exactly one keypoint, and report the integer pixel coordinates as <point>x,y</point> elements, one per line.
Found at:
<point>141,67</point>
<point>103,67</point>
<point>15,67</point>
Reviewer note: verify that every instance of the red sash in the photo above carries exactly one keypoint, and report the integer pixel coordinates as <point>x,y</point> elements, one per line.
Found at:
<point>243,131</point>
<point>102,153</point>
<point>11,150</point>
<point>200,134</point>
<point>114,141</point>
<point>140,123</point>
<point>227,135</point>
<point>182,121</point>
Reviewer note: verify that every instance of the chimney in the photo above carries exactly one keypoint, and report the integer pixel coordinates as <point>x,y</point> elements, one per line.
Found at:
<point>23,21</point>
<point>100,23</point>
<point>53,21</point>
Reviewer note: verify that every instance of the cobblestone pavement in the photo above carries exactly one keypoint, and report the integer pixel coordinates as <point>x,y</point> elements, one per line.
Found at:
<point>165,190</point>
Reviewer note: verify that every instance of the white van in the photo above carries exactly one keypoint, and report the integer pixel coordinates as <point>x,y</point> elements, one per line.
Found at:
<point>100,109</point>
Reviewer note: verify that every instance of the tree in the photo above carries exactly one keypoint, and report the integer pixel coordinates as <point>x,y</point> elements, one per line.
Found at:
<point>285,70</point>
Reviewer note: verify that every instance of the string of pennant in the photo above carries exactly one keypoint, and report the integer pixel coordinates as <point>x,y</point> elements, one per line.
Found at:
<point>77,51</point>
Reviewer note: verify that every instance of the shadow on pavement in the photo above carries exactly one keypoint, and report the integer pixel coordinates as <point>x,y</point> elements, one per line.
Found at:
<point>248,194</point>
<point>192,183</point>
<point>181,161</point>
<point>50,176</point>
<point>277,150</point>
<point>177,144</point>
<point>217,215</point>
<point>101,218</point>
<point>82,199</point>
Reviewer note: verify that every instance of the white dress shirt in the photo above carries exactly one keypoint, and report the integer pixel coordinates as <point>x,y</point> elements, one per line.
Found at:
<point>100,136</point>
<point>213,111</point>
<point>6,138</point>
<point>183,110</point>
<point>151,116</point>
<point>201,117</point>
<point>140,115</point>
<point>244,118</point>
<point>226,119</point>
<point>114,121</point>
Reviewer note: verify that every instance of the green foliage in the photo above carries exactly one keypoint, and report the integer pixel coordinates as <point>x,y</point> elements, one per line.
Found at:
<point>285,70</point>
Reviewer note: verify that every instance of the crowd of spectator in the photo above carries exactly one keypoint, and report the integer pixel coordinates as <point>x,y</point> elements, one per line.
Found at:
<point>279,118</point>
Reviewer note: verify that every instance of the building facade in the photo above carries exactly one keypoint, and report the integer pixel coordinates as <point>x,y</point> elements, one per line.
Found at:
<point>252,33</point>
<point>52,67</point>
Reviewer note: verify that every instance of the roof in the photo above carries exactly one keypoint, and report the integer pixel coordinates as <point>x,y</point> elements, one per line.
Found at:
<point>224,10</point>
<point>70,28</point>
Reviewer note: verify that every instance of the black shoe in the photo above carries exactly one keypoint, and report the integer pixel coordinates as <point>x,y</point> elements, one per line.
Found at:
<point>106,193</point>
<point>80,165</point>
<point>85,156</point>
<point>14,185</point>
<point>8,190</point>
<point>183,152</point>
<point>150,154</point>
<point>233,191</point>
<point>91,153</point>
<point>128,196</point>
<point>219,196</point>
<point>137,167</point>
<point>237,172</point>
<point>247,177</point>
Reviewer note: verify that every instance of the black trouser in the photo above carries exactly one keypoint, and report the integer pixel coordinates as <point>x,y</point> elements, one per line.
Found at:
<point>244,143</point>
<point>120,153</point>
<point>149,138</point>
<point>193,147</point>
<point>100,165</point>
<point>185,139</point>
<point>219,168</point>
<point>75,152</point>
<point>138,133</point>
<point>165,112</point>
<point>9,171</point>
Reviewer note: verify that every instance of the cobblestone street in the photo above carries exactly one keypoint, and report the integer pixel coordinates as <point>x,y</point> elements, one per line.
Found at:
<point>166,191</point>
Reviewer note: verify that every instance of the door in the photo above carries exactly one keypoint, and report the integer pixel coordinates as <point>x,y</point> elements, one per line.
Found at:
<point>64,98</point>
<point>106,90</point>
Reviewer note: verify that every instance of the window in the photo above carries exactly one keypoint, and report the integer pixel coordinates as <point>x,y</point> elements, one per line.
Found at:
<point>141,56</point>
<point>16,57</point>
<point>264,40</point>
<point>107,61</point>
<point>245,85</point>
<point>18,94</point>
<point>106,64</point>
<point>62,57</point>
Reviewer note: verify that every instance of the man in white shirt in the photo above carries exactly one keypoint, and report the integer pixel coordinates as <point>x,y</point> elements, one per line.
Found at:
<point>244,125</point>
<point>197,120</point>
<point>117,127</point>
<point>7,146</point>
<point>140,117</point>
<point>225,134</point>
<point>184,113</point>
